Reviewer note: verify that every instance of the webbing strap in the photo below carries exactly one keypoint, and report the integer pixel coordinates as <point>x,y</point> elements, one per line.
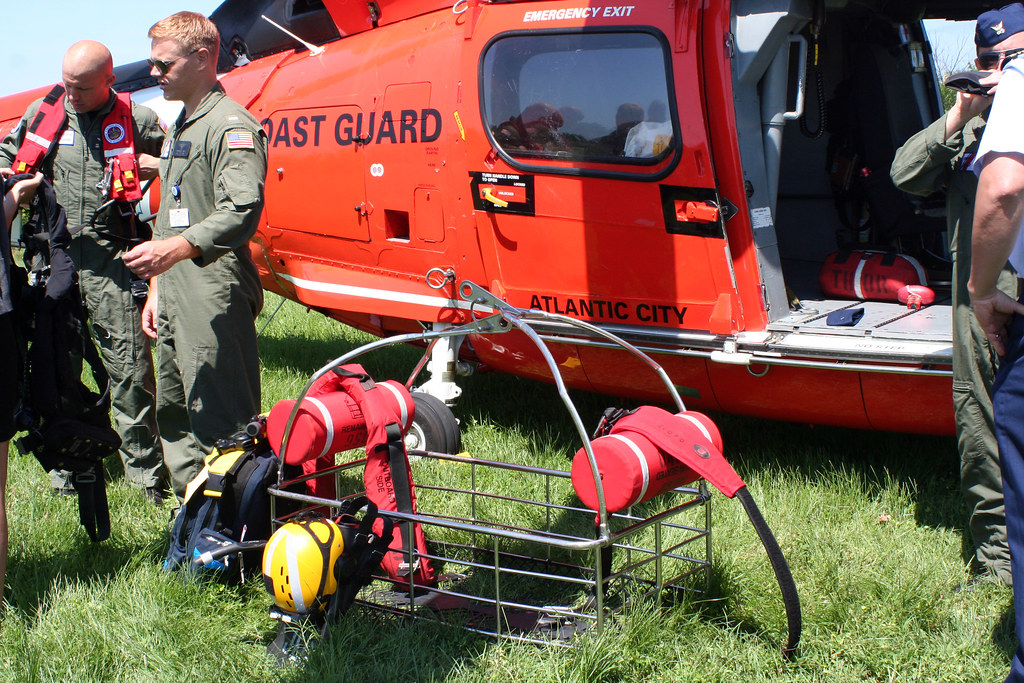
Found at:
<point>783,575</point>
<point>399,465</point>
<point>93,512</point>
<point>400,476</point>
<point>41,134</point>
<point>661,428</point>
<point>384,437</point>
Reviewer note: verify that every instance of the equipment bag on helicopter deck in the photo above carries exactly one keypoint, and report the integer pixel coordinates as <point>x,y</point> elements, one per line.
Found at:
<point>869,275</point>
<point>636,450</point>
<point>68,424</point>
<point>349,409</point>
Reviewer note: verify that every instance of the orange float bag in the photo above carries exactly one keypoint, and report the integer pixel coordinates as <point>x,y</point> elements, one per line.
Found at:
<point>633,467</point>
<point>346,409</point>
<point>873,276</point>
<point>648,451</point>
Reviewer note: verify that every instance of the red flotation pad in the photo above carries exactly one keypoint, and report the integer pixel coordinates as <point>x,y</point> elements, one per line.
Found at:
<point>650,452</point>
<point>873,276</point>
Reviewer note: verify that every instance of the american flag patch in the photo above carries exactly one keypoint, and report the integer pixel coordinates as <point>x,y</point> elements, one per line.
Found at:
<point>239,139</point>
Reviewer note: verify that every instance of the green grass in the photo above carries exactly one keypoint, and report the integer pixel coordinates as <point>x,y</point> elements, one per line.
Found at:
<point>871,524</point>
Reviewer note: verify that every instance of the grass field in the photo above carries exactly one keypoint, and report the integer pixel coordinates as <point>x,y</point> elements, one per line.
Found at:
<point>871,524</point>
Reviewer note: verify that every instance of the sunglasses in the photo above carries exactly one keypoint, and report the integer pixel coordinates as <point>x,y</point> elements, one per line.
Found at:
<point>164,67</point>
<point>998,59</point>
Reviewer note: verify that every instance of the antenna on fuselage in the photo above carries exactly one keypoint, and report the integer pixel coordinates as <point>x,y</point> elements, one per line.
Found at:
<point>313,49</point>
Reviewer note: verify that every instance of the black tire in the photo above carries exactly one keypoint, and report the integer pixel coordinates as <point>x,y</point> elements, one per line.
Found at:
<point>434,428</point>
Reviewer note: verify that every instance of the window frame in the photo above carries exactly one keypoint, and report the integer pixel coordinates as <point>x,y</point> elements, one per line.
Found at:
<point>626,168</point>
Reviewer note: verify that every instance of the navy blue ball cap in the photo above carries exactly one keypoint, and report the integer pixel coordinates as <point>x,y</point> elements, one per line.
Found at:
<point>997,25</point>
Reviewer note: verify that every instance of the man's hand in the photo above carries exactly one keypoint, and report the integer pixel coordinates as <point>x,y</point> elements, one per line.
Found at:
<point>20,193</point>
<point>992,79</point>
<point>149,311</point>
<point>994,313</point>
<point>966,107</point>
<point>148,166</point>
<point>149,259</point>
<point>25,190</point>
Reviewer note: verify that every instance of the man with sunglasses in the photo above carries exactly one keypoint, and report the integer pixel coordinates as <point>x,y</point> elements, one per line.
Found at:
<point>939,158</point>
<point>88,126</point>
<point>205,291</point>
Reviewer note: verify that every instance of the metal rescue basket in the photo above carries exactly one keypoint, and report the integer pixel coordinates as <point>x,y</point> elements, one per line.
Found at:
<point>533,565</point>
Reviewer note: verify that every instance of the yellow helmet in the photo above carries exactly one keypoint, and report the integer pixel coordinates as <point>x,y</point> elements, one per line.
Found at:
<point>298,564</point>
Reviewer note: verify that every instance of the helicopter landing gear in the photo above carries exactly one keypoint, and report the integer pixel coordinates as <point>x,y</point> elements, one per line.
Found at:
<point>443,366</point>
<point>434,427</point>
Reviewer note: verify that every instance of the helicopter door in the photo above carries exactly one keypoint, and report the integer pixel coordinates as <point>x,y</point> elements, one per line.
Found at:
<point>606,207</point>
<point>401,166</point>
<point>315,172</point>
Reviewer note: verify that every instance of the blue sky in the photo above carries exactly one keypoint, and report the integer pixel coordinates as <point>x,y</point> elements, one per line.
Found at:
<point>37,32</point>
<point>952,44</point>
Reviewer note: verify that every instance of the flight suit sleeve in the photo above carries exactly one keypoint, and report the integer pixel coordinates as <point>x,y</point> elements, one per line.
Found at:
<point>239,173</point>
<point>149,134</point>
<point>923,164</point>
<point>12,141</point>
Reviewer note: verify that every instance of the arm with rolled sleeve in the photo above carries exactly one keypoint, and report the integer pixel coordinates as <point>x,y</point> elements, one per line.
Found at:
<point>925,163</point>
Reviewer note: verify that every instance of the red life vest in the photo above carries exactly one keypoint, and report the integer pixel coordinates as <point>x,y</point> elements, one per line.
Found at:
<point>118,143</point>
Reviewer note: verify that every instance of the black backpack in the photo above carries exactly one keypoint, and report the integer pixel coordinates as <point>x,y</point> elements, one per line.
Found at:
<point>225,519</point>
<point>68,424</point>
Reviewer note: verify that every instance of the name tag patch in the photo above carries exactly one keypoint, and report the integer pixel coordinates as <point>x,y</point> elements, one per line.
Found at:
<point>181,149</point>
<point>67,137</point>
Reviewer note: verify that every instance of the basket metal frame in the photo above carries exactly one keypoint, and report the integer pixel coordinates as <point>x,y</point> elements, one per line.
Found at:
<point>659,550</point>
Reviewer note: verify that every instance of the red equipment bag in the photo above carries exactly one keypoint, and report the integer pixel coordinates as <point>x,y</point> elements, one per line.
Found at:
<point>876,276</point>
<point>345,409</point>
<point>632,468</point>
<point>330,420</point>
<point>633,449</point>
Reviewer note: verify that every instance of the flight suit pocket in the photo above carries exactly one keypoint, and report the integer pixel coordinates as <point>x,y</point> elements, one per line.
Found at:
<point>239,186</point>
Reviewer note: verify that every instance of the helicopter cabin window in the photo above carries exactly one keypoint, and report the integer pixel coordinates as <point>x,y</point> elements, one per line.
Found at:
<point>596,97</point>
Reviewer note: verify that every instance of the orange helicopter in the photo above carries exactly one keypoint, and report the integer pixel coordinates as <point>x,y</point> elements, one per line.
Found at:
<point>707,180</point>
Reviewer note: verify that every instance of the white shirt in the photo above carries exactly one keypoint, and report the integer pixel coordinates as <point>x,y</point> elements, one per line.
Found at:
<point>1005,134</point>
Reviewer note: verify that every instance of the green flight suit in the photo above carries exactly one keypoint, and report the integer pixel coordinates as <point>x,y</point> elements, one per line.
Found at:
<point>928,162</point>
<point>212,172</point>
<point>76,167</point>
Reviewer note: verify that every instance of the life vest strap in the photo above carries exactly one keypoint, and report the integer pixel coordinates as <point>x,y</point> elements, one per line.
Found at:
<point>118,143</point>
<point>42,132</point>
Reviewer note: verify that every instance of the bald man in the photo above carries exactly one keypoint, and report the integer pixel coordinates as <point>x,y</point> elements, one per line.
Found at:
<point>77,164</point>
